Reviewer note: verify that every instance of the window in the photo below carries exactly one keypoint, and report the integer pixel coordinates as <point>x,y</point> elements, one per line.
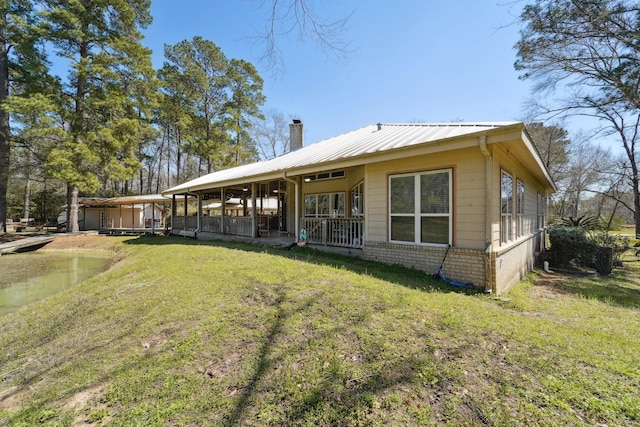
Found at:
<point>420,207</point>
<point>357,200</point>
<point>506,191</point>
<point>541,211</point>
<point>325,175</point>
<point>324,205</point>
<point>520,207</point>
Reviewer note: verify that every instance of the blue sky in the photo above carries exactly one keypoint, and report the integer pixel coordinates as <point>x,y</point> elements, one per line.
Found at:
<point>409,60</point>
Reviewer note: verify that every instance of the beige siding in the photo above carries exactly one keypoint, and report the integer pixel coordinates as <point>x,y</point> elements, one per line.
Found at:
<point>468,193</point>
<point>504,161</point>
<point>352,177</point>
<point>510,262</point>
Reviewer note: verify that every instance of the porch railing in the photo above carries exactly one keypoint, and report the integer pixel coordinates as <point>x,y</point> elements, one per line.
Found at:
<point>191,222</point>
<point>238,225</point>
<point>343,232</point>
<point>210,224</point>
<point>178,223</point>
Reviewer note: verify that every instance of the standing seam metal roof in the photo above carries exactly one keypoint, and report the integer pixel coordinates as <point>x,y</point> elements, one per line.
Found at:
<point>359,142</point>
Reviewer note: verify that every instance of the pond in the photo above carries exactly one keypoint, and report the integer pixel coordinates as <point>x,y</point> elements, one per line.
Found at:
<point>29,277</point>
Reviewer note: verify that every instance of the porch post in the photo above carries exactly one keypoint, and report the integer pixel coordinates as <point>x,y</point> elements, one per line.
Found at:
<point>298,197</point>
<point>254,207</point>
<point>199,226</point>
<point>174,210</point>
<point>153,217</point>
<point>222,204</point>
<point>297,207</point>
<point>184,225</point>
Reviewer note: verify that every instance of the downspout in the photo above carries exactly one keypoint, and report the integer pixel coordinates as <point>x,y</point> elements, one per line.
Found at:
<point>297,190</point>
<point>490,285</point>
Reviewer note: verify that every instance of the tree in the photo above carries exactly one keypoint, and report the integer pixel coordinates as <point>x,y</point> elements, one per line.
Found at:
<point>552,143</point>
<point>271,134</point>
<point>197,70</point>
<point>285,17</point>
<point>243,106</point>
<point>591,49</point>
<point>102,42</point>
<point>587,169</point>
<point>37,130</point>
<point>217,98</point>
<point>21,64</point>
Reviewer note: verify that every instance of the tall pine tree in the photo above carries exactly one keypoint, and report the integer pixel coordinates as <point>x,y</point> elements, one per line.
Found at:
<point>108,66</point>
<point>21,65</point>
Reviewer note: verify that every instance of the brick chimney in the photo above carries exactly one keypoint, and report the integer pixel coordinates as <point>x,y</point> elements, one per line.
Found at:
<point>296,135</point>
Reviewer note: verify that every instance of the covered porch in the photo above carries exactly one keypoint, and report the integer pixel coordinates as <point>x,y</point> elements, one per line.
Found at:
<point>142,214</point>
<point>329,211</point>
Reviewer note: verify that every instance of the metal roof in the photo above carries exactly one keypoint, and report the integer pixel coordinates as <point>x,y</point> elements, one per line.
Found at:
<point>371,139</point>
<point>124,200</point>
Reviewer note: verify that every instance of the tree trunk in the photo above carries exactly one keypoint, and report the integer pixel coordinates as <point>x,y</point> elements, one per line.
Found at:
<point>77,129</point>
<point>73,210</point>
<point>636,201</point>
<point>5,130</point>
<point>27,199</point>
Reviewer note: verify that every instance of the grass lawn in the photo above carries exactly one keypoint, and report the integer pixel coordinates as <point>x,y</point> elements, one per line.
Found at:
<point>181,332</point>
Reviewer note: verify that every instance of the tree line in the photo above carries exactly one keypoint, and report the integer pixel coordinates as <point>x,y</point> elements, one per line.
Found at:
<point>113,125</point>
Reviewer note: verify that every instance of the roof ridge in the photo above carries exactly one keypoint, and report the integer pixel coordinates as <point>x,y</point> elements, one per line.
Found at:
<point>450,124</point>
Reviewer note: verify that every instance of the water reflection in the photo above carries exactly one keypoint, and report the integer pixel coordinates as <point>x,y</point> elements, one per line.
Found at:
<point>66,273</point>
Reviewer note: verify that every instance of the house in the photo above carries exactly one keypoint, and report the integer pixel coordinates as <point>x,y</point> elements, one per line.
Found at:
<point>145,213</point>
<point>400,193</point>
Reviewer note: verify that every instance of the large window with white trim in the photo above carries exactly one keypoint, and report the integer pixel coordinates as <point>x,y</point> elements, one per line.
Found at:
<point>420,207</point>
<point>506,202</point>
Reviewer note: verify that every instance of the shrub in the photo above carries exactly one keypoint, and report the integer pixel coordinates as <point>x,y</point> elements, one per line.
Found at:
<point>618,243</point>
<point>571,244</point>
<point>587,222</point>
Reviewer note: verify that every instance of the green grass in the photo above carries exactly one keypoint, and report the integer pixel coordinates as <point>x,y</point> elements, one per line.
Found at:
<point>181,332</point>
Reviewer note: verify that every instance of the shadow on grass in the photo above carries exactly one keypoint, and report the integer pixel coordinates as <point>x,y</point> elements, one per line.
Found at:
<point>400,275</point>
<point>338,396</point>
<point>621,288</point>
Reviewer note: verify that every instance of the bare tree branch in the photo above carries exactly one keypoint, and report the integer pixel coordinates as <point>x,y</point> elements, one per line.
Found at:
<point>297,16</point>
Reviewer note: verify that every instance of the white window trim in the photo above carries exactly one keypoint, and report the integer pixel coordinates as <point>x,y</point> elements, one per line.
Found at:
<point>417,215</point>
<point>520,205</point>
<point>508,217</point>
<point>331,207</point>
<point>359,186</point>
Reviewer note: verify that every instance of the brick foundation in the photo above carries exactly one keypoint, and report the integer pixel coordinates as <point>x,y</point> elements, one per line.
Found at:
<point>461,265</point>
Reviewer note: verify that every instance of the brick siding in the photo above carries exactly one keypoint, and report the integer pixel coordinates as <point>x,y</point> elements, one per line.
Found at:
<point>461,265</point>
